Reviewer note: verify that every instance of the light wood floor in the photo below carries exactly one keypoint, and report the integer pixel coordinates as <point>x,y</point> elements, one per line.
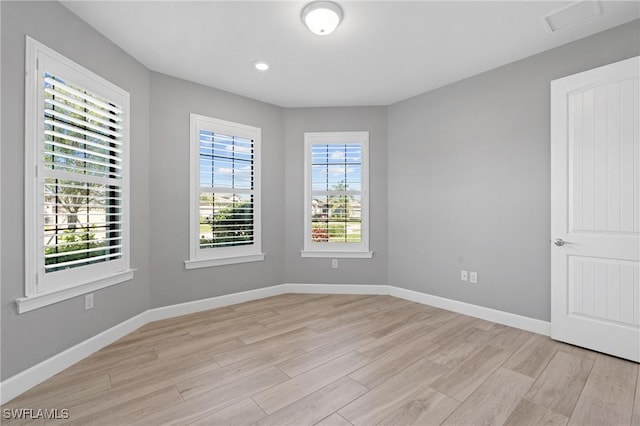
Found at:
<point>340,360</point>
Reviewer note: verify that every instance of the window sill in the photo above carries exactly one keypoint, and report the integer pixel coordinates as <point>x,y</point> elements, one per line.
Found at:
<point>220,261</point>
<point>29,303</point>
<point>337,254</point>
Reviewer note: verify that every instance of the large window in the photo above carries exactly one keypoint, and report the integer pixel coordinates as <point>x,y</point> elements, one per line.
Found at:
<point>225,193</point>
<point>76,180</point>
<point>336,195</point>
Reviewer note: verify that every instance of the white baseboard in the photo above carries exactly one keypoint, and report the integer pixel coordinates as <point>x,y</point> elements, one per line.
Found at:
<point>25,380</point>
<point>337,289</point>
<point>186,308</point>
<point>488,314</point>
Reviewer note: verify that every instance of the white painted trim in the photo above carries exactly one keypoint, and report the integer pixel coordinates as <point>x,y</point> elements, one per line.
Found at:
<point>488,314</point>
<point>30,165</point>
<point>29,303</point>
<point>21,382</point>
<point>186,308</point>
<point>202,258</point>
<point>25,380</point>
<point>338,138</point>
<point>337,254</point>
<point>205,263</point>
<point>43,288</point>
<point>337,289</point>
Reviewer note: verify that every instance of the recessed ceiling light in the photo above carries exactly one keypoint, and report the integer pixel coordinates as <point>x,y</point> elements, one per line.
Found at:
<point>321,17</point>
<point>261,65</point>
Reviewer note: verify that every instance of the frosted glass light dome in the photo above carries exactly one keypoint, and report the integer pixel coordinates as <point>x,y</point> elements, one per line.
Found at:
<point>322,17</point>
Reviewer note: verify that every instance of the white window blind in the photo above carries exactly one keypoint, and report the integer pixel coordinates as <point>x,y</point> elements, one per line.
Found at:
<point>336,195</point>
<point>76,180</point>
<point>225,193</point>
<point>82,157</point>
<point>226,190</point>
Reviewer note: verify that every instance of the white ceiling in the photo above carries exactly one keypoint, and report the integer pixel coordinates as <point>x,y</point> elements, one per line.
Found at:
<point>382,52</point>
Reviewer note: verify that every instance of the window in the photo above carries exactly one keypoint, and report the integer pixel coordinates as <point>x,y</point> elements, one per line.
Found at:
<point>336,195</point>
<point>77,180</point>
<point>225,193</point>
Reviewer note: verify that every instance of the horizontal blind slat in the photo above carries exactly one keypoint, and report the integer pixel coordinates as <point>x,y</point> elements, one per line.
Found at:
<point>75,148</point>
<point>90,250</point>
<point>83,160</point>
<point>105,188</point>
<point>103,240</point>
<point>81,261</point>
<point>96,190</point>
<point>92,224</point>
<point>89,134</point>
<point>91,206</point>
<point>93,99</point>
<point>109,183</point>
<point>82,113</point>
<point>108,115</point>
<point>65,117</point>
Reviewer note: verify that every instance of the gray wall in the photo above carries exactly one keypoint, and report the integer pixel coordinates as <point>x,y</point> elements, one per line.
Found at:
<point>459,179</point>
<point>350,271</point>
<point>469,179</point>
<point>36,335</point>
<point>172,100</point>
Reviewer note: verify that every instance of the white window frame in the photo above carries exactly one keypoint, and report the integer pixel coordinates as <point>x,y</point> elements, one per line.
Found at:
<point>44,289</point>
<point>326,249</point>
<point>202,258</point>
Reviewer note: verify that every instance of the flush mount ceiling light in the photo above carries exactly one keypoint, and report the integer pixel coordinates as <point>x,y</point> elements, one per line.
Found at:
<point>261,65</point>
<point>321,17</point>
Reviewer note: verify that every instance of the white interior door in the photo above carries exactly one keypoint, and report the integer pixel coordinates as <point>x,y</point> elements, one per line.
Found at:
<point>595,219</point>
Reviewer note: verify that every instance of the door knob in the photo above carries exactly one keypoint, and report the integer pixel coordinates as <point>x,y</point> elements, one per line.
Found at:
<point>559,242</point>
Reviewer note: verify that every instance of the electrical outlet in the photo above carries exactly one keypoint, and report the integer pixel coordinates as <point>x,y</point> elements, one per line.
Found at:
<point>334,263</point>
<point>463,275</point>
<point>473,277</point>
<point>88,301</point>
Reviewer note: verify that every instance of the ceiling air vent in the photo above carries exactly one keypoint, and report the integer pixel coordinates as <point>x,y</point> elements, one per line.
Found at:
<point>571,14</point>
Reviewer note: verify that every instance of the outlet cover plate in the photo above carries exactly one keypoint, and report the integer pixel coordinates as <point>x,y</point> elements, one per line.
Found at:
<point>88,301</point>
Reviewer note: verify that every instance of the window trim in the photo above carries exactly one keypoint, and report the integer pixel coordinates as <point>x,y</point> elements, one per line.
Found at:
<point>203,258</point>
<point>346,250</point>
<point>87,280</point>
